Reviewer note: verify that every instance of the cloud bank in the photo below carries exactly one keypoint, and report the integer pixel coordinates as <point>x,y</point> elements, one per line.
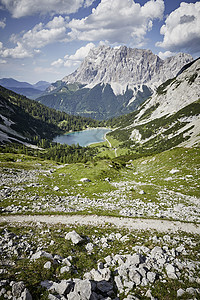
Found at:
<point>181,30</point>
<point>75,59</point>
<point>41,35</point>
<point>22,8</point>
<point>117,21</point>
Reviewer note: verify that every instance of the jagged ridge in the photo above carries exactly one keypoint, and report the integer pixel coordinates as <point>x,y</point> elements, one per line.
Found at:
<point>112,82</point>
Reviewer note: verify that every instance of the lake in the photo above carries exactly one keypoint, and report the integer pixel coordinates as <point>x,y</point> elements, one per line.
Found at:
<point>83,138</point>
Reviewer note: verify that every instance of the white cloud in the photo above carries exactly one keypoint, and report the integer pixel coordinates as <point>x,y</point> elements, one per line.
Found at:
<point>3,23</point>
<point>3,61</point>
<point>21,8</point>
<point>74,59</point>
<point>39,36</point>
<point>117,21</point>
<point>58,63</point>
<point>18,52</point>
<point>81,53</point>
<point>181,30</point>
<point>164,55</point>
<point>88,3</point>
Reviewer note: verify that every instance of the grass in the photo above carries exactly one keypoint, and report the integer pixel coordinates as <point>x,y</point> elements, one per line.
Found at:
<point>142,185</point>
<point>42,236</point>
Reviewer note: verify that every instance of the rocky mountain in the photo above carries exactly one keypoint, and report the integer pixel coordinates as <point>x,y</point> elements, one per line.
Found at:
<point>170,117</point>
<point>112,81</point>
<point>24,88</point>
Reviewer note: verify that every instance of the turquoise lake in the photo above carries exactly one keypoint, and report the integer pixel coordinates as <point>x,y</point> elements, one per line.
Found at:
<point>83,138</point>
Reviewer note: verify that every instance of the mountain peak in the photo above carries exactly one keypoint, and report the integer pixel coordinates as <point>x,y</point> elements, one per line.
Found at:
<point>127,67</point>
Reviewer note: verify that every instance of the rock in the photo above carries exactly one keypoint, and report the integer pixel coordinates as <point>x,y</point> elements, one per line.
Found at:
<point>53,297</point>
<point>89,247</point>
<point>26,295</point>
<point>170,269</point>
<point>85,180</point>
<point>66,262</point>
<point>56,188</point>
<point>191,291</point>
<point>63,287</point>
<point>74,237</point>
<point>148,294</point>
<point>180,293</point>
<point>102,274</point>
<point>119,283</point>
<point>83,289</point>
<point>104,286</point>
<point>46,284</point>
<point>142,192</point>
<point>64,269</point>
<point>47,265</point>
<point>41,254</point>
<point>151,276</point>
<point>17,289</point>
<point>74,296</point>
<point>173,171</point>
<point>134,260</point>
<point>135,276</point>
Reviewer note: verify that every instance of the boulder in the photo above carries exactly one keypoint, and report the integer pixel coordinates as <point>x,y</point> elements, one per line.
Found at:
<point>180,293</point>
<point>135,276</point>
<point>41,254</point>
<point>104,286</point>
<point>74,237</point>
<point>47,265</point>
<point>171,271</point>
<point>82,290</point>
<point>64,269</point>
<point>26,295</point>
<point>17,289</point>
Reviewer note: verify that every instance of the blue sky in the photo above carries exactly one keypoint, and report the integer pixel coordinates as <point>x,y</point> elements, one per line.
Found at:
<point>48,39</point>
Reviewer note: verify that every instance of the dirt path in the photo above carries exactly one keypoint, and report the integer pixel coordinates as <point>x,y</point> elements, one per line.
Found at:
<point>141,224</point>
<point>109,143</point>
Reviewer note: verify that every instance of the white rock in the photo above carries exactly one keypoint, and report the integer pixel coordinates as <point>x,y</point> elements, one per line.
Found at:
<point>64,269</point>
<point>47,265</point>
<point>151,276</point>
<point>56,188</point>
<point>74,237</point>
<point>85,180</point>
<point>26,295</point>
<point>180,293</point>
<point>89,247</point>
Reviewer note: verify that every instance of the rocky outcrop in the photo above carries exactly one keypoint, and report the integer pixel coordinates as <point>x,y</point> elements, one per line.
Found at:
<point>126,68</point>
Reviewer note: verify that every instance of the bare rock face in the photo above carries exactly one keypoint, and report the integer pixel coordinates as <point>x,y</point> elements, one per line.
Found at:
<point>126,68</point>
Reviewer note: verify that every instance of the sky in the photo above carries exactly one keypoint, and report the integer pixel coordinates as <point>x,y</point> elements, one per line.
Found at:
<point>48,39</point>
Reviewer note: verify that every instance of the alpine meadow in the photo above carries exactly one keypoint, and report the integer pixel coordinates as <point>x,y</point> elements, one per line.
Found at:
<point>118,218</point>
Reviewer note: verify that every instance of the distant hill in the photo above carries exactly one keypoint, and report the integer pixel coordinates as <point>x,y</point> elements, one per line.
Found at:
<point>25,88</point>
<point>112,82</point>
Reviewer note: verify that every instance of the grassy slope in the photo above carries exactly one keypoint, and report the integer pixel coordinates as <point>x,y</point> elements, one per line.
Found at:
<point>151,174</point>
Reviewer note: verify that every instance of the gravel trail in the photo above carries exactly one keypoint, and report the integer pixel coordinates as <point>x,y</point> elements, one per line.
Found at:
<point>141,224</point>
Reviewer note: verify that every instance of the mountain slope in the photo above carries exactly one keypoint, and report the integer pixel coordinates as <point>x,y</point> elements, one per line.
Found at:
<point>170,117</point>
<point>22,119</point>
<point>25,88</point>
<point>112,81</point>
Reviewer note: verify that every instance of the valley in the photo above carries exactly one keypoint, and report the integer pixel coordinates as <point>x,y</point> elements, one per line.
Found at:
<point>119,219</point>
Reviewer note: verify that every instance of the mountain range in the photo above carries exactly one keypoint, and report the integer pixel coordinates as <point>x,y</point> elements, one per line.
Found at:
<point>112,81</point>
<point>170,117</point>
<point>31,91</point>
